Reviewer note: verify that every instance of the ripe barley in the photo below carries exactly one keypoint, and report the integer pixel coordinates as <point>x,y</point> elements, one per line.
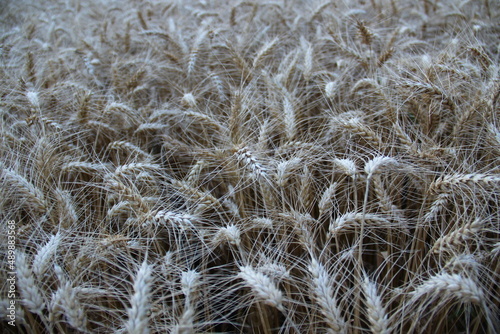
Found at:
<point>289,118</point>
<point>44,255</point>
<point>262,223</point>
<point>205,120</point>
<point>362,131</point>
<point>308,60</point>
<point>22,189</point>
<point>194,174</point>
<point>31,296</point>
<point>364,32</point>
<point>203,200</point>
<point>351,220</point>
<point>102,128</point>
<point>450,285</point>
<point>383,197</point>
<point>33,99</point>
<point>275,270</point>
<point>372,166</point>
<point>193,56</point>
<point>181,220</point>
<point>306,195</point>
<point>66,208</point>
<point>219,85</point>
<point>70,306</point>
<point>303,225</point>
<point>119,190</point>
<point>376,312</point>
<point>265,51</point>
<point>84,167</point>
<point>269,156</point>
<point>136,168</point>
<point>346,166</point>
<point>365,83</point>
<point>185,323</point>
<point>130,148</point>
<point>230,234</point>
<point>327,199</point>
<point>188,100</point>
<point>446,181</point>
<point>437,205</point>
<point>150,128</point>
<point>262,286</point>
<point>190,284</point>
<point>248,160</point>
<point>324,296</point>
<point>138,318</point>
<point>285,169</point>
<point>458,237</point>
<point>331,89</point>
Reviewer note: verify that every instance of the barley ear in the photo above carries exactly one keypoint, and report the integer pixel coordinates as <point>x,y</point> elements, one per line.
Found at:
<point>44,255</point>
<point>324,297</point>
<point>375,311</point>
<point>31,296</point>
<point>262,286</point>
<point>138,312</point>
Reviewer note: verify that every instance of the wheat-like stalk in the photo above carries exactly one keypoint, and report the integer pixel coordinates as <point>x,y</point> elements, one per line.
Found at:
<point>356,127</point>
<point>262,286</point>
<point>22,189</point>
<point>372,167</point>
<point>193,56</point>
<point>185,324</point>
<point>190,281</point>
<point>450,285</point>
<point>128,193</point>
<point>263,223</point>
<point>324,296</point>
<point>285,169</point>
<point>306,188</point>
<point>44,255</point>
<point>351,220</point>
<point>364,32</point>
<point>308,60</point>
<point>265,51</point>
<point>379,322</point>
<point>182,220</point>
<point>437,205</point>
<point>247,159</point>
<point>346,166</point>
<point>194,174</point>
<point>29,290</point>
<point>188,100</point>
<point>446,181</point>
<point>202,199</point>
<point>230,234</point>
<point>330,89</point>
<point>458,237</point>
<point>136,168</point>
<point>128,147</point>
<point>71,307</point>
<point>219,85</point>
<point>88,168</point>
<point>68,214</point>
<point>289,118</point>
<point>137,322</point>
<point>326,202</point>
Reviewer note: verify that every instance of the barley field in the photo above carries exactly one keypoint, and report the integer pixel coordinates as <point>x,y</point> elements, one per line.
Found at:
<point>275,166</point>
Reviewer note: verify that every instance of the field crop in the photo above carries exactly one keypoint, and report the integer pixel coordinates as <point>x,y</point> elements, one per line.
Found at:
<point>276,166</point>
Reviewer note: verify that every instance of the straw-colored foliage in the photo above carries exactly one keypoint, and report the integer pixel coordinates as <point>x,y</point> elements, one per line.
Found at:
<point>276,166</point>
